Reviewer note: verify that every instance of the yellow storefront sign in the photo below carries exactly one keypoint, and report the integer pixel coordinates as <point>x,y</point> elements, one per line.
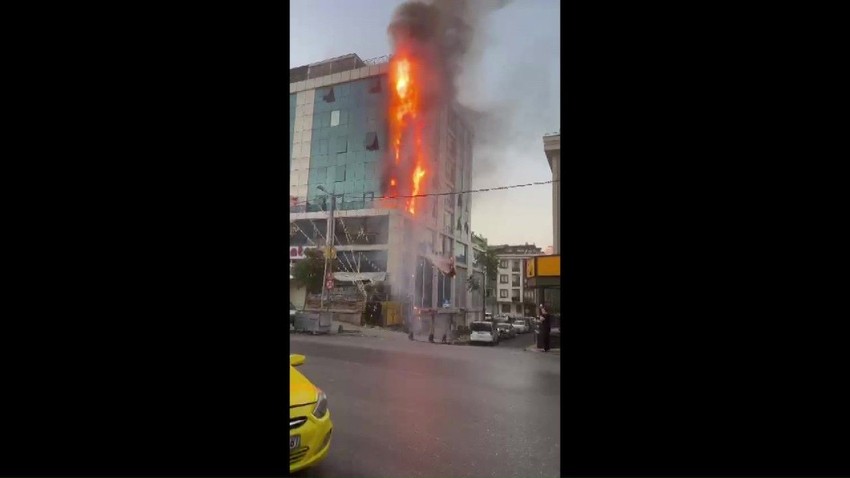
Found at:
<point>544,266</point>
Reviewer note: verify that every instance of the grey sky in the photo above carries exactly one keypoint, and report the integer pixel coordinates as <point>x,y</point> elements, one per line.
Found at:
<point>514,79</point>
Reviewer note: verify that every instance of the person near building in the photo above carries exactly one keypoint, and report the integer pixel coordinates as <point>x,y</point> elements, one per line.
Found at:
<point>545,327</point>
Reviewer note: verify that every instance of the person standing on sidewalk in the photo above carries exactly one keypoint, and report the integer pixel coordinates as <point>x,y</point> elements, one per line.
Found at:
<point>545,326</point>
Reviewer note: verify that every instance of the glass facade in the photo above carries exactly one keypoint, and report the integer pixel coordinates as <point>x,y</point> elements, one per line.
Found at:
<point>348,142</point>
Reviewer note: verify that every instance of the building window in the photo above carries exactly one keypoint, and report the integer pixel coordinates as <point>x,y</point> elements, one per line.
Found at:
<point>447,246</point>
<point>506,308</point>
<point>335,118</point>
<point>515,266</point>
<point>503,264</point>
<point>515,280</point>
<point>329,97</point>
<point>371,142</point>
<point>375,85</point>
<point>460,256</point>
<point>448,220</point>
<point>341,144</point>
<point>503,278</point>
<point>515,295</point>
<point>503,293</point>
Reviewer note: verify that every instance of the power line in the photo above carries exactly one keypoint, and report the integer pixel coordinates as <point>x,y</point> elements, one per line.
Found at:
<point>495,188</point>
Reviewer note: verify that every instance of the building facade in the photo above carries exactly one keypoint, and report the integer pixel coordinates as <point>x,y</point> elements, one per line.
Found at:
<point>552,148</point>
<point>510,289</point>
<point>338,112</point>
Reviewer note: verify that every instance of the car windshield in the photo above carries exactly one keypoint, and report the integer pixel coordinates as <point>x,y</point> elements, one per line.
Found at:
<point>504,326</point>
<point>480,327</point>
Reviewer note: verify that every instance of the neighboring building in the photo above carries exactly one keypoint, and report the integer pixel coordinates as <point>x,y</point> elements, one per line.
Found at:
<point>339,140</point>
<point>510,288</point>
<point>552,147</point>
<point>485,296</point>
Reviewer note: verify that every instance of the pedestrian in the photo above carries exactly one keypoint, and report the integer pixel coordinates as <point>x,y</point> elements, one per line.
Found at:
<point>545,326</point>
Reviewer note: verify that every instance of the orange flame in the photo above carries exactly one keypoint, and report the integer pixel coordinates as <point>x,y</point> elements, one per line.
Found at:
<point>404,116</point>
<point>417,178</point>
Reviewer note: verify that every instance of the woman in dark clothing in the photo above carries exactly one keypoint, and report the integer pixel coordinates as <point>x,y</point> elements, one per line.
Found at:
<point>545,327</point>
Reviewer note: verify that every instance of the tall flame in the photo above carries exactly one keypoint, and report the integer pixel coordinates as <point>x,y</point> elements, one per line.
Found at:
<point>404,116</point>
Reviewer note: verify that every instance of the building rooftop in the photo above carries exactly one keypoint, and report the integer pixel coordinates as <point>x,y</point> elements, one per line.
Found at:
<point>521,249</point>
<point>326,67</point>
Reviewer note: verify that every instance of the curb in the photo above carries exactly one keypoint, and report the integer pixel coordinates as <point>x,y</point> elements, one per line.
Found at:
<point>533,348</point>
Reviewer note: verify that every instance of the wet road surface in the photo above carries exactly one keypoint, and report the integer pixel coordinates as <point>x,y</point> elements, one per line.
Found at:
<point>412,409</point>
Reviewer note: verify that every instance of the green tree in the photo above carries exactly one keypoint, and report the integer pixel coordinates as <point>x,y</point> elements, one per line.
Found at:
<point>488,261</point>
<point>309,272</point>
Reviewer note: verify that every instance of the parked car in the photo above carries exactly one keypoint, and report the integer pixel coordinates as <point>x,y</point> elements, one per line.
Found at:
<point>506,331</point>
<point>483,332</point>
<point>521,325</point>
<point>310,424</point>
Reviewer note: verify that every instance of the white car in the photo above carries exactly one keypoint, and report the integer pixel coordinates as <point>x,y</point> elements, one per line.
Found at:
<point>483,332</point>
<point>521,325</point>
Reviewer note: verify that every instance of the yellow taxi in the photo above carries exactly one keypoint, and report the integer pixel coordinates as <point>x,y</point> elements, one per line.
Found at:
<point>309,420</point>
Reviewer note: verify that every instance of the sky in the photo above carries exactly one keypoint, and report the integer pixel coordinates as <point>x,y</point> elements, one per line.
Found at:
<point>512,75</point>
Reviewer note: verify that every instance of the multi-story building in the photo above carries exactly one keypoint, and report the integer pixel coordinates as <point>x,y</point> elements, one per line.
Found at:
<point>552,147</point>
<point>510,288</point>
<point>338,112</point>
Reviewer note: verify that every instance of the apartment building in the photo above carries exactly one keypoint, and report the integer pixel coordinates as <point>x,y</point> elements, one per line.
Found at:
<point>511,282</point>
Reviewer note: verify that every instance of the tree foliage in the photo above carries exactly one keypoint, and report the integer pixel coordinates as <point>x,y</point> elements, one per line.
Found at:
<point>309,272</point>
<point>489,261</point>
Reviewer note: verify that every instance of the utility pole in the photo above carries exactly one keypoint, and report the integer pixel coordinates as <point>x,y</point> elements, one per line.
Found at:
<point>329,238</point>
<point>484,295</point>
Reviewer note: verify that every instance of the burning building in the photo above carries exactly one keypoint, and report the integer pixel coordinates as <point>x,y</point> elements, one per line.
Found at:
<point>395,153</point>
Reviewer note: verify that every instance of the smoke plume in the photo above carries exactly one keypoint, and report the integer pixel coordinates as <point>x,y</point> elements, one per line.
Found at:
<point>442,33</point>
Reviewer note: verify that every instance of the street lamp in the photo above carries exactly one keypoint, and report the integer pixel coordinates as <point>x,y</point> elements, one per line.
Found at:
<point>328,244</point>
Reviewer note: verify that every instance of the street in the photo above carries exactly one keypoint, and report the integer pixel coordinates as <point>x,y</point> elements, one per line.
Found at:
<point>403,408</point>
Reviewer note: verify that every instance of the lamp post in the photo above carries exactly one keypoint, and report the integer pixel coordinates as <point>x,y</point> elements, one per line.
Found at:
<point>329,236</point>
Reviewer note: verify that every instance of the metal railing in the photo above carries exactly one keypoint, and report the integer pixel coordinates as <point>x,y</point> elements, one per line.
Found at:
<point>378,60</point>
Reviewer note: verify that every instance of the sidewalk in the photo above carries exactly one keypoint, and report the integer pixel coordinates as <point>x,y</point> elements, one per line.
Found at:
<point>533,348</point>
<point>352,330</point>
<point>365,331</point>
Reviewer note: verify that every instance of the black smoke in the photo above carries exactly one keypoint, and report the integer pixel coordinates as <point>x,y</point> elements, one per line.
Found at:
<point>440,32</point>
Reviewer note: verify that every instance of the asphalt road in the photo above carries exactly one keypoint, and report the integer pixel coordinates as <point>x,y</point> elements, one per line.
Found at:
<point>521,341</point>
<point>413,409</point>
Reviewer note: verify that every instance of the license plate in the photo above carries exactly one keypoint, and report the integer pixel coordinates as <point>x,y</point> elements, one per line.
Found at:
<point>294,442</point>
